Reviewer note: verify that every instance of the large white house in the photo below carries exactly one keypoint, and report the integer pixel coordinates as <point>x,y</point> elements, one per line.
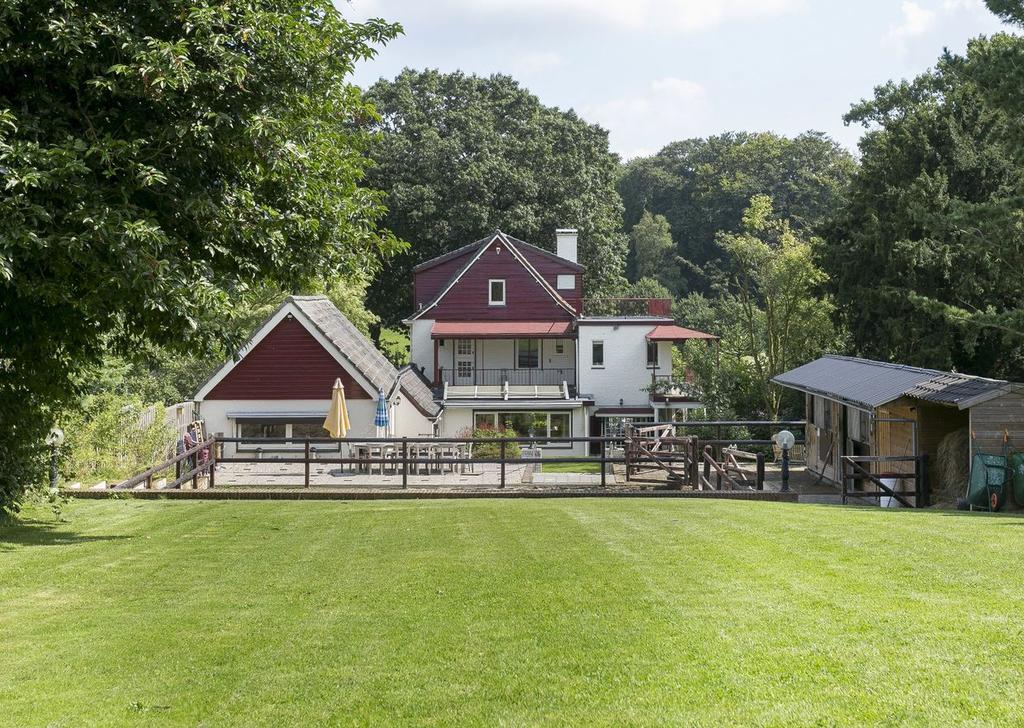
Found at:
<point>502,332</point>
<point>501,337</point>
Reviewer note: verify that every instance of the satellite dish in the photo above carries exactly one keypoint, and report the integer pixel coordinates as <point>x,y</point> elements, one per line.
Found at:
<point>785,439</point>
<point>55,438</point>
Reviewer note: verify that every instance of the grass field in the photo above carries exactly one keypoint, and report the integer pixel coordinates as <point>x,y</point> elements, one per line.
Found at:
<point>587,612</point>
<point>591,468</point>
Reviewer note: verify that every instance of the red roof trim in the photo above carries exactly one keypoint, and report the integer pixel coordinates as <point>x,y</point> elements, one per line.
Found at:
<point>678,333</point>
<point>501,329</point>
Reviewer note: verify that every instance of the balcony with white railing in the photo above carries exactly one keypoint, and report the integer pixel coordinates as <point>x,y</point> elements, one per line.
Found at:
<point>507,376</point>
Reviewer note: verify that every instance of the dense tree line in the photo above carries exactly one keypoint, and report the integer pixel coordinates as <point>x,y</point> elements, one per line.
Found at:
<point>703,186</point>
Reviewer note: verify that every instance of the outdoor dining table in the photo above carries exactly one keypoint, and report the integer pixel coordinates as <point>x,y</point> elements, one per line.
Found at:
<point>424,456</point>
<point>365,451</point>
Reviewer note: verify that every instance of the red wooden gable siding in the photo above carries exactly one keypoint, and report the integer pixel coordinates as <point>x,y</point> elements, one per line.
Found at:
<point>288,363</point>
<point>431,281</point>
<point>526,299</point>
<point>551,268</point>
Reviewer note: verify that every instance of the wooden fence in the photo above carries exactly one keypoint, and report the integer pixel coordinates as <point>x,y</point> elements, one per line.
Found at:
<point>857,469</point>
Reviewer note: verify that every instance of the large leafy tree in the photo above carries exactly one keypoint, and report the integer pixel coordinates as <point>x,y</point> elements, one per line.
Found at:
<point>460,155</point>
<point>926,259</point>
<point>158,160</point>
<point>653,251</point>
<point>773,315</point>
<point>703,186</point>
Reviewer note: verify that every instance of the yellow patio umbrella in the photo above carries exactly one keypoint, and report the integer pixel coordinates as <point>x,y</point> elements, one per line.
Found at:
<point>337,423</point>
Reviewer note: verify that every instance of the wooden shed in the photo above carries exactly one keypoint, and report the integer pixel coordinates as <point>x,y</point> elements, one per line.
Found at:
<point>872,408</point>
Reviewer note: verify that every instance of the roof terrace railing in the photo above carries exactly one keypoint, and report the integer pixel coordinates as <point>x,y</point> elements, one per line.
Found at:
<point>627,307</point>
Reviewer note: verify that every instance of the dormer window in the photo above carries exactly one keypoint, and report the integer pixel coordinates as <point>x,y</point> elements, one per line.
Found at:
<point>496,292</point>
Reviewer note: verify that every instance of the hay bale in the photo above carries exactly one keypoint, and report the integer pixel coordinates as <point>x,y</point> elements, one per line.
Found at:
<point>952,467</point>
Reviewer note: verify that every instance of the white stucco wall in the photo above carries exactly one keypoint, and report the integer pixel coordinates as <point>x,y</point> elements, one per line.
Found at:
<point>407,420</point>
<point>625,374</point>
<point>495,353</point>
<point>421,346</point>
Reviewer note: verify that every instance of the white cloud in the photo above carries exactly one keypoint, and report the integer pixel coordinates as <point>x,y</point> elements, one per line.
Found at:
<point>530,62</point>
<point>915,20</point>
<point>658,15</point>
<point>641,123</point>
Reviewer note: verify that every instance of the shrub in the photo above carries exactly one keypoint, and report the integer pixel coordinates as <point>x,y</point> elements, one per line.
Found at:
<point>112,437</point>
<point>493,449</point>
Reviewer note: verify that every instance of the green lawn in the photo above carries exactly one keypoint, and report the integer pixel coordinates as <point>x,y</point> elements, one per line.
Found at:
<point>594,468</point>
<point>586,612</point>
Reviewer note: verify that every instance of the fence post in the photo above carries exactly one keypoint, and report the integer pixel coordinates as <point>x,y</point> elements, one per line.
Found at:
<point>604,462</point>
<point>212,462</point>
<point>627,450</point>
<point>707,465</point>
<point>694,464</point>
<point>924,495</point>
<point>760,471</point>
<point>306,481</point>
<point>842,476</point>
<point>503,462</point>
<point>405,462</point>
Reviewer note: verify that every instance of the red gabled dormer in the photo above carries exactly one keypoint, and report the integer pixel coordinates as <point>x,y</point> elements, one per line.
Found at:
<point>499,278</point>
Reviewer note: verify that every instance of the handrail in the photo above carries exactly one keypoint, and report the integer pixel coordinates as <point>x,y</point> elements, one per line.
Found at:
<point>147,474</point>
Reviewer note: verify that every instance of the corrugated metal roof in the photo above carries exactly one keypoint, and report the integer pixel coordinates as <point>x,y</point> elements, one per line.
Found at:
<point>871,384</point>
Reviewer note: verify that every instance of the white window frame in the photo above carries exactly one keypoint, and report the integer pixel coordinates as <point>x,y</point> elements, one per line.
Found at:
<point>566,282</point>
<point>495,416</point>
<point>459,343</point>
<point>594,364</point>
<point>491,301</point>
<point>252,447</point>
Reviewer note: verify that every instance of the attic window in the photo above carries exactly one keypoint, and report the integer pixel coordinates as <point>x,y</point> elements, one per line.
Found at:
<point>496,292</point>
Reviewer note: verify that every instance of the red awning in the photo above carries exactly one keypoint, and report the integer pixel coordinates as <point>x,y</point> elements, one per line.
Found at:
<point>677,333</point>
<point>500,329</point>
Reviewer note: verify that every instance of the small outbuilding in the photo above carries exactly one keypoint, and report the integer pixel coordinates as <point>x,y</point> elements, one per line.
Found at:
<point>280,383</point>
<point>862,407</point>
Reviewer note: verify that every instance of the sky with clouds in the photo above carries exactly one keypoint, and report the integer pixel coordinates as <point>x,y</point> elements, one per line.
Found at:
<point>654,71</point>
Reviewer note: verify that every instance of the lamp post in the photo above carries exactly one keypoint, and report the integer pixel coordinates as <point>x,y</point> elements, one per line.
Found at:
<point>785,440</point>
<point>54,439</point>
